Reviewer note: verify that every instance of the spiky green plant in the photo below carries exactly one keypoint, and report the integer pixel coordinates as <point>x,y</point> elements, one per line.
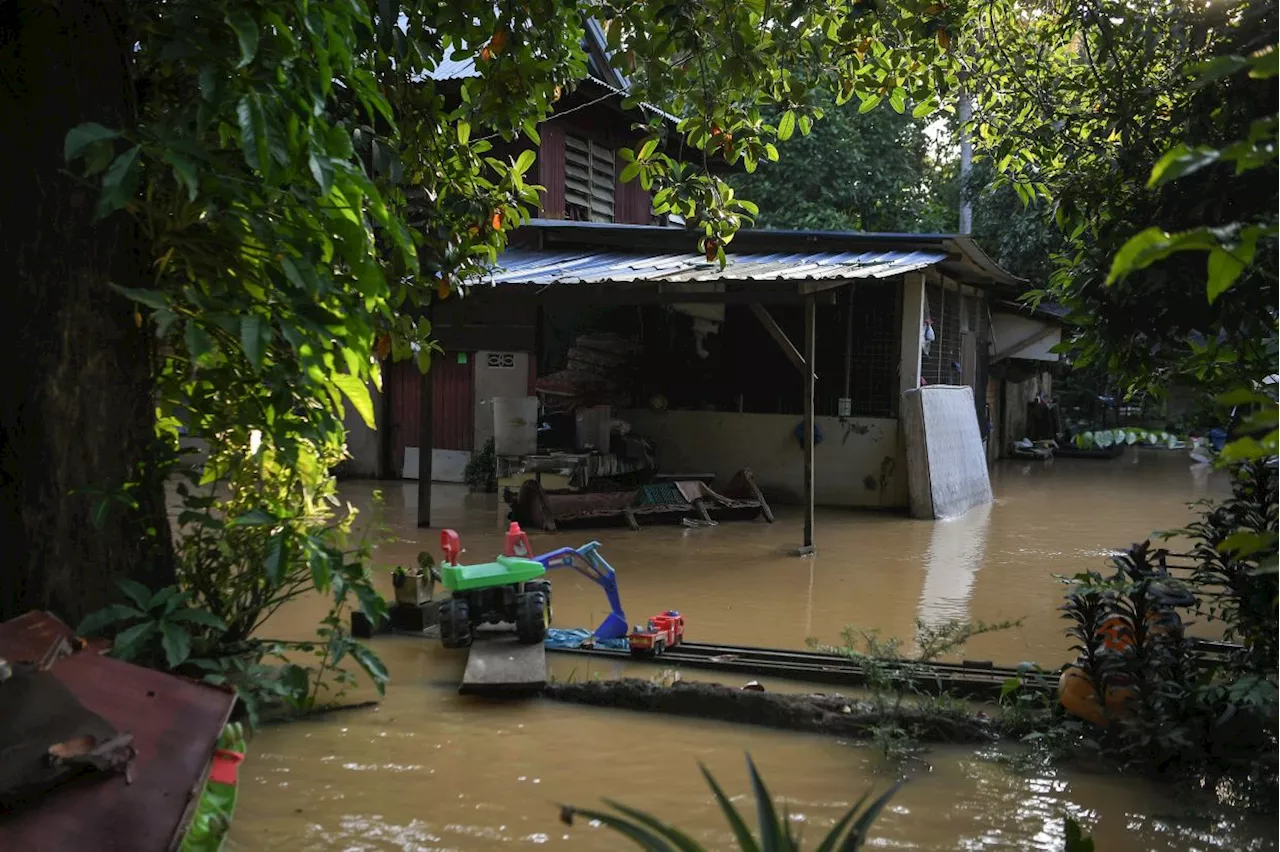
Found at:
<point>776,832</point>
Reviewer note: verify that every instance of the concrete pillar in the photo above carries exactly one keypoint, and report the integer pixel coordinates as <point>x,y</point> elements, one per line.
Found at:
<point>910,357</point>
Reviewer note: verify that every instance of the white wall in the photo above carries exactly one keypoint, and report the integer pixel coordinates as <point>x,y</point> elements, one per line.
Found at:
<point>1008,330</point>
<point>496,379</point>
<point>362,442</point>
<point>858,462</point>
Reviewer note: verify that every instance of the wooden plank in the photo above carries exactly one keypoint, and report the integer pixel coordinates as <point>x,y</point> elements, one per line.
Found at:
<point>779,336</point>
<point>500,665</point>
<point>810,351</point>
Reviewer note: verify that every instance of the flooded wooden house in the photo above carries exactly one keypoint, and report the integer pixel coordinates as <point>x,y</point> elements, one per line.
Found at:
<point>800,333</point>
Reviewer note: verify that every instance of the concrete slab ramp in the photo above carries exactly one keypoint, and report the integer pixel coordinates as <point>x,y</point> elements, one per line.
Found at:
<point>946,466</point>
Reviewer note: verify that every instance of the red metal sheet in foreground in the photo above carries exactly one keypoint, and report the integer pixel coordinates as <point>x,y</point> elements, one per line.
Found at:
<point>175,724</point>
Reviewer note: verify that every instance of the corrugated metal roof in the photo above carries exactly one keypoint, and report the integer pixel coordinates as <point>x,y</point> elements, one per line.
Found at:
<point>454,66</point>
<point>523,266</point>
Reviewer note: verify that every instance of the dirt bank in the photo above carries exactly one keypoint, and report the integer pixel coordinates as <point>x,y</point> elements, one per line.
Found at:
<point>819,713</point>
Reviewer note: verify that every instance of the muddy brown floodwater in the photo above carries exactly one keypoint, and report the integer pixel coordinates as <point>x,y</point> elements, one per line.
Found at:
<point>429,769</point>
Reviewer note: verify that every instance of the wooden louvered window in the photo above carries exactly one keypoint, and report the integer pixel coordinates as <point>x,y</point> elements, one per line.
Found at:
<point>588,180</point>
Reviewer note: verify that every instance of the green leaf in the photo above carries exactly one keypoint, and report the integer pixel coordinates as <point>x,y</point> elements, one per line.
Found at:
<point>321,167</point>
<point>524,161</point>
<point>1227,264</point>
<point>199,343</point>
<point>858,834</point>
<point>184,172</point>
<point>251,338</point>
<point>638,834</point>
<point>246,29</point>
<point>372,665</point>
<point>771,152</point>
<point>151,298</point>
<point>137,592</point>
<point>130,643</point>
<point>678,839</point>
<point>834,837</point>
<point>358,392</point>
<point>120,182</point>
<point>464,131</point>
<point>869,103</point>
<point>766,813</point>
<point>1181,160</point>
<point>275,558</point>
<point>787,125</point>
<point>736,823</point>
<point>647,149</point>
<point>924,108</point>
<point>1153,244</point>
<point>176,642</point>
<point>806,124</point>
<point>253,518</point>
<point>629,172</point>
<point>82,136</point>
<point>1215,69</point>
<point>95,621</point>
<point>253,131</point>
<point>1265,64</point>
<point>898,100</point>
<point>199,616</point>
<point>1224,269</point>
<point>1245,543</point>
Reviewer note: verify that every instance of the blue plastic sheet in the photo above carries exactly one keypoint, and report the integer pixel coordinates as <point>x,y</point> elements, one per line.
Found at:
<point>558,638</point>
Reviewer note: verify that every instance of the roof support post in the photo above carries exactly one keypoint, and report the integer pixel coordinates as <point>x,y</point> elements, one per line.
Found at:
<point>910,357</point>
<point>426,440</point>
<point>780,336</point>
<point>810,350</point>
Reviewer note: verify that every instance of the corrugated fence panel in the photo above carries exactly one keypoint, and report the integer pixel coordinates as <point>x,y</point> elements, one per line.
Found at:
<point>453,417</point>
<point>454,410</point>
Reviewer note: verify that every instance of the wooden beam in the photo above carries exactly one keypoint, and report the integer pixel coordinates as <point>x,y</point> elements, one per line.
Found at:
<point>426,440</point>
<point>810,352</point>
<point>910,358</point>
<point>779,336</point>
<point>591,295</point>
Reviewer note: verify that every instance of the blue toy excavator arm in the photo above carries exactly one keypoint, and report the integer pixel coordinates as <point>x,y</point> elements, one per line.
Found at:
<point>588,562</point>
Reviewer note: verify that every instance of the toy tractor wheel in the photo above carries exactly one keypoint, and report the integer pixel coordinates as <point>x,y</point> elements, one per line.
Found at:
<point>531,617</point>
<point>543,586</point>
<point>455,623</point>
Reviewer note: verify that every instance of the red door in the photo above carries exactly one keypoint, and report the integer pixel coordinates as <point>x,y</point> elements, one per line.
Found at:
<point>453,405</point>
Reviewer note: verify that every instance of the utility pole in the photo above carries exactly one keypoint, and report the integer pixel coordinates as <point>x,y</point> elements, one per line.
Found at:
<point>966,163</point>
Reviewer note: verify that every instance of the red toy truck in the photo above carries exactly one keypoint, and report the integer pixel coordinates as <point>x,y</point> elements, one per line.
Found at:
<point>662,632</point>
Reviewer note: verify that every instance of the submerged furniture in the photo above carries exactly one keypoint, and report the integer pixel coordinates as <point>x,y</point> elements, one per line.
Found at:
<point>658,502</point>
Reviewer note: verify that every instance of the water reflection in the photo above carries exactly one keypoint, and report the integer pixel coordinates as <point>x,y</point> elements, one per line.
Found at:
<point>956,550</point>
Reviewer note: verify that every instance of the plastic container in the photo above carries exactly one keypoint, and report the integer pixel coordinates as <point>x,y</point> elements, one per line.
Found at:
<point>593,428</point>
<point>515,425</point>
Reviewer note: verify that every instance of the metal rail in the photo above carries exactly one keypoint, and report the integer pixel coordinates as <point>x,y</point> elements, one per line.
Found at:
<point>974,679</point>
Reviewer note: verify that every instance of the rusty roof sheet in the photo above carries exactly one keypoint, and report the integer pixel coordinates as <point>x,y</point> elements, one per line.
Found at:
<point>175,724</point>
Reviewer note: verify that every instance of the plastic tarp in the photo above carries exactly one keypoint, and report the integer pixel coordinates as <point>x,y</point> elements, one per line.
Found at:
<point>557,638</point>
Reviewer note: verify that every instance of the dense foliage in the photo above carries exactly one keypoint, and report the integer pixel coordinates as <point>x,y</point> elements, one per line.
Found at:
<point>1125,116</point>
<point>856,171</point>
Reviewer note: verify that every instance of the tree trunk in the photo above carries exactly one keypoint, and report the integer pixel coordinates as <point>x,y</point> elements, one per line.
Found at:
<point>76,409</point>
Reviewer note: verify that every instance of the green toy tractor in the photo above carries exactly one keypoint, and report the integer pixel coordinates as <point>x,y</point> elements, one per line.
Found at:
<point>510,589</point>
